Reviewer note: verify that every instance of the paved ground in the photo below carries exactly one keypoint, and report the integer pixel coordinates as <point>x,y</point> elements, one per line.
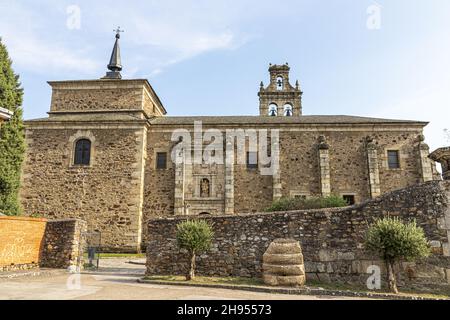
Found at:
<point>116,279</point>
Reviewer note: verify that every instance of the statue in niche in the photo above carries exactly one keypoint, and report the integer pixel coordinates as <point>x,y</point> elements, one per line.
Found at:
<point>204,188</point>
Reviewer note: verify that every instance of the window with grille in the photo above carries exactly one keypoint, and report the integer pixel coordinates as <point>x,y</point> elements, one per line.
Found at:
<point>393,159</point>
<point>82,152</point>
<point>161,160</point>
<point>349,198</point>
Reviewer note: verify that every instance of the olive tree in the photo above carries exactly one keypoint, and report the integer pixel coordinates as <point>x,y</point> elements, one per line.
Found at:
<point>395,241</point>
<point>195,236</point>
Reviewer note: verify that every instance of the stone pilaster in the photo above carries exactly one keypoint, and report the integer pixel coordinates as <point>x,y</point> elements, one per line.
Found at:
<point>324,165</point>
<point>229,178</point>
<point>425,163</point>
<point>374,173</point>
<point>179,183</point>
<point>276,176</point>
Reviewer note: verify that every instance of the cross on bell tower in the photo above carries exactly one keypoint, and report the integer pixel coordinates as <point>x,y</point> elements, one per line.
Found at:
<point>280,98</point>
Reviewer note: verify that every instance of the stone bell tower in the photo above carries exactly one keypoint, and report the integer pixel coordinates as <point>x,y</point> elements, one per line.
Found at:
<point>280,98</point>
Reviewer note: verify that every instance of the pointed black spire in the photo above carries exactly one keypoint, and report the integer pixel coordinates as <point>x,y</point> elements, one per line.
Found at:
<point>115,63</point>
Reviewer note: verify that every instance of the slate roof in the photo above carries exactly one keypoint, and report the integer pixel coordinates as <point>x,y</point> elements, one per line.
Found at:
<point>231,120</point>
<point>306,119</point>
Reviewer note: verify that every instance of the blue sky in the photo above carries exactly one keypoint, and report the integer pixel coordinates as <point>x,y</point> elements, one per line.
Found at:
<point>207,57</point>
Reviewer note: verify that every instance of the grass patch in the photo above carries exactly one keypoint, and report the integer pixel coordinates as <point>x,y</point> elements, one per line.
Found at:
<point>210,280</point>
<point>122,255</point>
<point>119,255</point>
<point>438,294</point>
<point>313,284</point>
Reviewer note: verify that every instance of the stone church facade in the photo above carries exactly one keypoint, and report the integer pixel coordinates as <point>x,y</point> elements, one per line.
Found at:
<point>104,155</point>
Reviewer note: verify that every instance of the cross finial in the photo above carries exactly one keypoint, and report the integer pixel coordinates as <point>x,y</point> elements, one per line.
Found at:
<point>118,31</point>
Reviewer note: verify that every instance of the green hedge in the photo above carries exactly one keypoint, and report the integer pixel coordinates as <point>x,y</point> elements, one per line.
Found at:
<point>289,204</point>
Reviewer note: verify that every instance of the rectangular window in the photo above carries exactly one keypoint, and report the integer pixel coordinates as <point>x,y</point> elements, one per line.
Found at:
<point>349,198</point>
<point>161,160</point>
<point>393,159</point>
<point>252,160</point>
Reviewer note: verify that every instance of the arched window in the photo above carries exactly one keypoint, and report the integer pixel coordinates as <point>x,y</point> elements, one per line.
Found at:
<point>280,84</point>
<point>205,214</point>
<point>287,110</point>
<point>273,110</point>
<point>205,188</point>
<point>83,152</point>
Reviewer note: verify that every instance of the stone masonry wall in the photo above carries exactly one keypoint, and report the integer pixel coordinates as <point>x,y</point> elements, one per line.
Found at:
<point>348,162</point>
<point>106,194</point>
<point>28,243</point>
<point>64,244</point>
<point>331,239</point>
<point>98,95</point>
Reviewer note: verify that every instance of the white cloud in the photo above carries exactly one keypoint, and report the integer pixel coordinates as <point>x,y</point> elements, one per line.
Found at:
<point>158,34</point>
<point>31,54</point>
<point>429,104</point>
<point>35,50</point>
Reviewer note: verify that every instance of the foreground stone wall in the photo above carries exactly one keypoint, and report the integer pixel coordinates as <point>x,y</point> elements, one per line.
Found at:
<point>21,242</point>
<point>64,244</point>
<point>331,239</point>
<point>28,243</point>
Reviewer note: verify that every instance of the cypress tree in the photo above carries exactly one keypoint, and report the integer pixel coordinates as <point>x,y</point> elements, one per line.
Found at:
<point>12,137</point>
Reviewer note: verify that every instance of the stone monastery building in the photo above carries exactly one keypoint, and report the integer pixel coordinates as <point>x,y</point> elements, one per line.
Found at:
<point>104,155</point>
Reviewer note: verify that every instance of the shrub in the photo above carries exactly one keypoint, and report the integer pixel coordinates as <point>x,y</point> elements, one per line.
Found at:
<point>393,241</point>
<point>195,236</point>
<point>289,204</point>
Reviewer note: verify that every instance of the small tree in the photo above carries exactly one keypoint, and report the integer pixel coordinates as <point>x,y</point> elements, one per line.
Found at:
<point>394,241</point>
<point>195,236</point>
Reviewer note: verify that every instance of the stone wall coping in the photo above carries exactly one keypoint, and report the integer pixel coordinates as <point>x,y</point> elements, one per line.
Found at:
<point>23,218</point>
<point>258,214</point>
<point>67,220</point>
